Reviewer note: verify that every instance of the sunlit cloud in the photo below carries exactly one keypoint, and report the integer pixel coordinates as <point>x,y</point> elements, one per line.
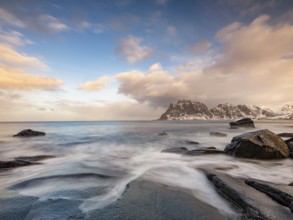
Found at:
<point>132,49</point>
<point>14,38</point>
<point>97,85</point>
<point>54,24</point>
<point>10,56</point>
<point>11,79</point>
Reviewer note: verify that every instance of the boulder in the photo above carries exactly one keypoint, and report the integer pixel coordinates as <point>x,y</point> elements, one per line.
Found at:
<point>29,133</point>
<point>218,134</point>
<point>203,151</point>
<point>191,142</point>
<point>176,150</point>
<point>244,123</point>
<point>262,144</point>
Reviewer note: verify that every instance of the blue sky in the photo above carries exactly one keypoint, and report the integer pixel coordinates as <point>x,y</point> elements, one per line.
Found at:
<point>128,59</point>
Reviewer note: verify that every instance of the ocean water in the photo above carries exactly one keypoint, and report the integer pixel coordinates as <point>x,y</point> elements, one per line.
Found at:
<point>125,151</point>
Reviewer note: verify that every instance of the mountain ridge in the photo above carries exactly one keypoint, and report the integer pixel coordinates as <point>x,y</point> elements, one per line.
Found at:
<point>189,110</point>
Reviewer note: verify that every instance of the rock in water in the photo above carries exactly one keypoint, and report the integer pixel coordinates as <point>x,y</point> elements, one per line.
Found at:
<point>262,144</point>
<point>29,133</point>
<point>176,150</point>
<point>218,134</point>
<point>244,123</point>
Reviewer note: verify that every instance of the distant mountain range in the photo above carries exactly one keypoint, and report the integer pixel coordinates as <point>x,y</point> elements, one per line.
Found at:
<point>188,110</point>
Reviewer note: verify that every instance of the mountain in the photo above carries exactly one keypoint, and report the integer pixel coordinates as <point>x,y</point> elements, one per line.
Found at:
<point>188,110</point>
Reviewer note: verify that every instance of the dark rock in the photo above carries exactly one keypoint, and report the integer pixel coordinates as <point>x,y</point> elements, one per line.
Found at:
<point>15,163</point>
<point>176,150</point>
<point>253,203</point>
<point>218,134</point>
<point>276,194</point>
<point>203,151</point>
<point>29,133</point>
<point>244,123</point>
<point>262,144</point>
<point>291,184</point>
<point>286,135</point>
<point>289,140</point>
<point>35,158</point>
<point>191,142</point>
<point>147,200</point>
<point>163,134</point>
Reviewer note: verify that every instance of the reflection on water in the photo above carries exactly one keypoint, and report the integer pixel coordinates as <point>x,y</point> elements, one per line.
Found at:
<point>126,151</point>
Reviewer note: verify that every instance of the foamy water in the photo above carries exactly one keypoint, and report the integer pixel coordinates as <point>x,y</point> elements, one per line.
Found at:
<point>126,151</point>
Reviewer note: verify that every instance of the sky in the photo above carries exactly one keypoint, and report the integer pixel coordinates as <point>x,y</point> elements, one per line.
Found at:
<point>129,59</point>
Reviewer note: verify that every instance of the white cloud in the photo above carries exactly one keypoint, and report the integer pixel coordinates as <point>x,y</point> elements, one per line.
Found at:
<point>11,19</point>
<point>133,50</point>
<point>97,85</point>
<point>10,56</point>
<point>54,24</point>
<point>14,38</point>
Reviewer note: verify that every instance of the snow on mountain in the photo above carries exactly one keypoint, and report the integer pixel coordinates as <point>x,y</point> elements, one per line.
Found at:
<point>188,110</point>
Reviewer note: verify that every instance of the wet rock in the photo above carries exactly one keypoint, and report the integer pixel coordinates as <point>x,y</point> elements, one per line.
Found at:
<point>262,144</point>
<point>163,134</point>
<point>29,133</point>
<point>252,202</point>
<point>176,150</point>
<point>244,123</point>
<point>203,151</point>
<point>218,134</point>
<point>286,135</point>
<point>191,142</point>
<point>291,184</point>
<point>35,158</point>
<point>15,163</point>
<point>145,200</point>
<point>281,197</point>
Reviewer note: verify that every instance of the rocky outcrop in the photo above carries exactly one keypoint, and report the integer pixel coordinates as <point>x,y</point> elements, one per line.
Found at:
<point>253,202</point>
<point>243,123</point>
<point>29,133</point>
<point>195,152</point>
<point>188,110</point>
<point>262,144</point>
<point>289,143</point>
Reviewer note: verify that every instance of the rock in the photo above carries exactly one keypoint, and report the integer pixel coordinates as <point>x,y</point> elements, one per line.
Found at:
<point>291,184</point>
<point>244,123</point>
<point>191,142</point>
<point>29,133</point>
<point>35,158</point>
<point>163,134</point>
<point>286,135</point>
<point>253,203</point>
<point>15,163</point>
<point>262,144</point>
<point>281,197</point>
<point>203,151</point>
<point>218,134</point>
<point>176,150</point>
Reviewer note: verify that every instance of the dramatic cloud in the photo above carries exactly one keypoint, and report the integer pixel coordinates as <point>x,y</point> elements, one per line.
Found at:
<point>199,47</point>
<point>96,85</point>
<point>155,87</point>
<point>16,79</point>
<point>133,50</point>
<point>10,56</point>
<point>254,66</point>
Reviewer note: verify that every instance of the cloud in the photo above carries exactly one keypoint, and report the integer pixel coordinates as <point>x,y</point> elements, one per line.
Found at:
<point>171,30</point>
<point>10,56</point>
<point>132,49</point>
<point>16,79</point>
<point>13,38</point>
<point>11,19</point>
<point>253,47</point>
<point>97,85</point>
<point>54,24</point>
<point>254,65</point>
<point>199,47</point>
<point>155,87</point>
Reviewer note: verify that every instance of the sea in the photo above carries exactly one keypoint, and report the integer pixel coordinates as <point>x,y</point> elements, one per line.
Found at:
<point>127,151</point>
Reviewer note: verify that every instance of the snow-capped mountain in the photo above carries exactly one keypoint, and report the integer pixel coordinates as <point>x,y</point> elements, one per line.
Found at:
<point>188,110</point>
<point>287,109</point>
